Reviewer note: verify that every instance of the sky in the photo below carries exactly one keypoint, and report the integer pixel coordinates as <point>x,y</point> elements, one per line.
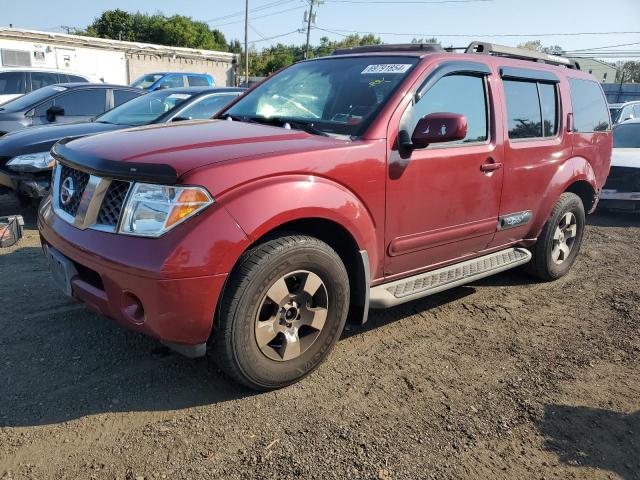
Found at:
<point>454,22</point>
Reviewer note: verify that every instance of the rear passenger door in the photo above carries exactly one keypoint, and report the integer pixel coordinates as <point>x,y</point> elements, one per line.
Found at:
<point>535,146</point>
<point>442,201</point>
<point>78,105</point>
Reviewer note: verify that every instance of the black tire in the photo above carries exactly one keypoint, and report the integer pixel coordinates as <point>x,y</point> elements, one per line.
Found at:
<point>542,264</point>
<point>234,343</point>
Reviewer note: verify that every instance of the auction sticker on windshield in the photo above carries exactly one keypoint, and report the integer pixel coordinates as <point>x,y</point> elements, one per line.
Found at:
<point>387,68</point>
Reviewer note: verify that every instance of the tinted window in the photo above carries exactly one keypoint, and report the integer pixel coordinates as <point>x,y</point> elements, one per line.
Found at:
<point>590,112</point>
<point>198,81</point>
<point>523,109</point>
<point>627,135</point>
<point>626,113</point>
<point>43,79</point>
<point>460,94</point>
<point>206,108</point>
<point>76,78</point>
<point>172,81</point>
<point>11,83</point>
<point>82,102</point>
<point>123,96</point>
<point>636,111</point>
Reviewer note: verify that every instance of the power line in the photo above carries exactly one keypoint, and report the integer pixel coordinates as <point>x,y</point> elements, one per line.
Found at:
<point>479,35</point>
<point>259,16</point>
<point>253,10</point>
<point>604,48</point>
<point>276,36</point>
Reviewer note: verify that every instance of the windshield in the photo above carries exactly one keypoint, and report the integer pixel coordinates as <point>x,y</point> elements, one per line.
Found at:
<point>614,111</point>
<point>30,99</point>
<point>626,135</point>
<point>146,81</point>
<point>339,95</point>
<point>144,109</point>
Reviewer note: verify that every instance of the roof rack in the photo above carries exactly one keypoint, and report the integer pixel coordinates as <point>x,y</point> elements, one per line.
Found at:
<point>520,53</point>
<point>400,47</point>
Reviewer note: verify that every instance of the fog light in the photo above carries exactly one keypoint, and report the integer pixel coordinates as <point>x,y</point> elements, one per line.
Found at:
<point>132,308</point>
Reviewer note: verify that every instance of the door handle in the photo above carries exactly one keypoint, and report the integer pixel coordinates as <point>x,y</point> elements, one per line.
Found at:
<point>490,166</point>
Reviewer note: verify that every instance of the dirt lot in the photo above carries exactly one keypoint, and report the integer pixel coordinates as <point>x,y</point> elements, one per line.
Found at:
<point>505,378</point>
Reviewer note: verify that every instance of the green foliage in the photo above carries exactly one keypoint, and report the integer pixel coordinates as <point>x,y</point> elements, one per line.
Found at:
<point>536,45</point>
<point>273,58</point>
<point>176,31</point>
<point>628,72</point>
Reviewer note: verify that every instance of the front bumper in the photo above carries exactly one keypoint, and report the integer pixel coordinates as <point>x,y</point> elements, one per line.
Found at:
<point>123,278</point>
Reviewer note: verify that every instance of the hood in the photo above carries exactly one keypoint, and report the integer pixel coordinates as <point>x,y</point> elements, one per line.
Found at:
<point>191,144</point>
<point>41,139</point>
<point>625,157</point>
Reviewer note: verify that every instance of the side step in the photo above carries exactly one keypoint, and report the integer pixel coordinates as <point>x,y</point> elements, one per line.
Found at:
<point>418,286</point>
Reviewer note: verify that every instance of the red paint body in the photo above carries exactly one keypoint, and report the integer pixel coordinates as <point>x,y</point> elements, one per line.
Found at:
<point>411,214</point>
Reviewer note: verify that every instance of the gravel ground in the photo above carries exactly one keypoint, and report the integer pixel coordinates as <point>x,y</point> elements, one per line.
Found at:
<point>504,378</point>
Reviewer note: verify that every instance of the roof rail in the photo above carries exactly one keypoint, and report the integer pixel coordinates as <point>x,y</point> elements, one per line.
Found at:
<point>399,47</point>
<point>520,53</point>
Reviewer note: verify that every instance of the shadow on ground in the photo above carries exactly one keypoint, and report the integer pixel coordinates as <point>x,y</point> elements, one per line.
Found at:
<point>596,438</point>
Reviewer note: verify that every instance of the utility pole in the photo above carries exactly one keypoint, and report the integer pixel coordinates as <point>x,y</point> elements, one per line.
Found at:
<point>310,18</point>
<point>246,43</point>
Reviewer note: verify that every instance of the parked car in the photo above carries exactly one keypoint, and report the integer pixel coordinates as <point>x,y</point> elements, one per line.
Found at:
<point>17,81</point>
<point>63,103</point>
<point>25,160</point>
<point>155,81</point>
<point>621,112</point>
<point>369,178</point>
<point>622,190</point>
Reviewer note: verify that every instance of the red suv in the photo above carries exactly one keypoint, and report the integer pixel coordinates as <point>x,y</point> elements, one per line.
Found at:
<point>366,179</point>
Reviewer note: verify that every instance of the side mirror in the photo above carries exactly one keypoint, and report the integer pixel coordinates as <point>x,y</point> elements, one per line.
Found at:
<point>53,111</point>
<point>439,127</point>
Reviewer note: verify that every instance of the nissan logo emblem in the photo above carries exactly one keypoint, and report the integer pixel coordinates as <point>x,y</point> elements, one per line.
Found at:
<point>67,190</point>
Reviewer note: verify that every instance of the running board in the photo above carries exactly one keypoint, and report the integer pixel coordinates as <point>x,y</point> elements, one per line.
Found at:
<point>418,286</point>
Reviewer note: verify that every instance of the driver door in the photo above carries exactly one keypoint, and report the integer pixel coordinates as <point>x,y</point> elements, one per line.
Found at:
<point>443,200</point>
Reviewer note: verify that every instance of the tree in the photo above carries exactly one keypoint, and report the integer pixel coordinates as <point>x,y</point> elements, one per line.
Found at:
<point>536,45</point>
<point>628,72</point>
<point>176,31</point>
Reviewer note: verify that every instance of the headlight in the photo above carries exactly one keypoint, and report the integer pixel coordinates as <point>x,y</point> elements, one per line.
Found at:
<point>31,162</point>
<point>152,210</point>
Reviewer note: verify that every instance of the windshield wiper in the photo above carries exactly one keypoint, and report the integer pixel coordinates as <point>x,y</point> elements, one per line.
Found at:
<point>308,127</point>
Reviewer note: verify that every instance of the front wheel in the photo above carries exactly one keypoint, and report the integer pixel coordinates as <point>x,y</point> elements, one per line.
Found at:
<point>560,241</point>
<point>282,311</point>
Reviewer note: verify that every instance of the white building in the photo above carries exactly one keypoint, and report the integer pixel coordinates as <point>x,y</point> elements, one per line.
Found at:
<point>112,61</point>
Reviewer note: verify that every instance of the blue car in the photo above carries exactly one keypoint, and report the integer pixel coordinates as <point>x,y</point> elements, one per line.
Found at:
<point>156,81</point>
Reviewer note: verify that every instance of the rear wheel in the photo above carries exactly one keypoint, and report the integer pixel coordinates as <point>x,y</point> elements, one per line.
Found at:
<point>560,241</point>
<point>282,312</point>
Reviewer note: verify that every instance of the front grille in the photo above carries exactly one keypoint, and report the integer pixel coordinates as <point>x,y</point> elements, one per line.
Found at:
<point>623,179</point>
<point>79,181</point>
<point>111,207</point>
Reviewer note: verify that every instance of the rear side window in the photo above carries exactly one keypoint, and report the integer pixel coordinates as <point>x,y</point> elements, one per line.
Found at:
<point>12,83</point>
<point>462,94</point>
<point>590,112</point>
<point>197,81</point>
<point>123,96</point>
<point>43,79</point>
<point>82,102</point>
<point>532,109</point>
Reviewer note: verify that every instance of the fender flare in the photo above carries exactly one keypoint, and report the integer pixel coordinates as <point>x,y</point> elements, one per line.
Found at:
<point>265,204</point>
